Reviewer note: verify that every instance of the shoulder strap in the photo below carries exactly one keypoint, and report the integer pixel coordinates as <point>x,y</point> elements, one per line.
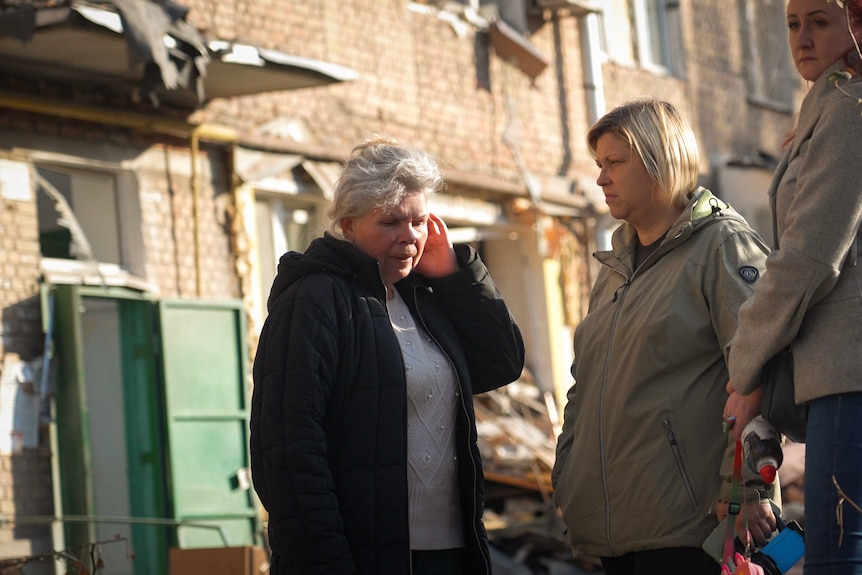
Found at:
<point>734,507</point>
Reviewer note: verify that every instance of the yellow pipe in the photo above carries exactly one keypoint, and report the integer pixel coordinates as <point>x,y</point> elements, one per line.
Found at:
<point>194,144</point>
<point>134,120</point>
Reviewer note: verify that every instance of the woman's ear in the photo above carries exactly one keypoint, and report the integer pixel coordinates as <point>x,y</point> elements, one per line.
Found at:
<point>346,227</point>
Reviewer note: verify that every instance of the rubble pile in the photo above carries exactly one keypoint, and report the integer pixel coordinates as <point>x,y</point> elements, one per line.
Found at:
<point>517,436</point>
<point>518,428</point>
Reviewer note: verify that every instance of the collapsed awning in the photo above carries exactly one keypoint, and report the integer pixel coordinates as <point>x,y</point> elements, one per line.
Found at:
<point>147,49</point>
<point>240,69</point>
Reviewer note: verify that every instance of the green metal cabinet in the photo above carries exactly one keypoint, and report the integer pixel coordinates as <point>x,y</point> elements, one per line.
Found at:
<point>151,425</point>
<point>206,411</point>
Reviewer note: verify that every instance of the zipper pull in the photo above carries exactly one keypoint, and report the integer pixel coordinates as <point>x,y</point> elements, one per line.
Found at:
<point>617,291</point>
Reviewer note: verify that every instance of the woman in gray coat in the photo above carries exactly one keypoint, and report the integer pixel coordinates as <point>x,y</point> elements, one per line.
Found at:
<point>811,294</point>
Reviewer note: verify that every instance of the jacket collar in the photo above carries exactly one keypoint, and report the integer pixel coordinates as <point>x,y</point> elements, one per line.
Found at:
<point>812,105</point>
<point>703,206</point>
<point>702,209</point>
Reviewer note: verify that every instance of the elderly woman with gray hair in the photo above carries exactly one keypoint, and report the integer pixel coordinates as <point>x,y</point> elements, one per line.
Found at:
<point>363,433</point>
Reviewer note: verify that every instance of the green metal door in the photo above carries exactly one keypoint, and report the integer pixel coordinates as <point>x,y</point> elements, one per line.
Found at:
<point>108,427</point>
<point>140,448</point>
<point>204,352</point>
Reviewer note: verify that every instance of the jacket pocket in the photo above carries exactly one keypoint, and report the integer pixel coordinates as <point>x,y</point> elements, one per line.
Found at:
<point>680,461</point>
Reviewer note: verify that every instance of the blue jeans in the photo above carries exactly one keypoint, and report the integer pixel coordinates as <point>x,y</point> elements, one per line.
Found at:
<point>833,530</point>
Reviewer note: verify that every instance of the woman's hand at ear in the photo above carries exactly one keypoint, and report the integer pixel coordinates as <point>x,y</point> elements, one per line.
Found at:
<point>438,259</point>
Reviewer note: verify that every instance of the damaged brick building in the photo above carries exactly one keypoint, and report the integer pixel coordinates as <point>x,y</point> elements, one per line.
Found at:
<point>157,157</point>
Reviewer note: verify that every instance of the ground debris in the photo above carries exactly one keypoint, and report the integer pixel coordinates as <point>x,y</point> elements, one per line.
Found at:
<point>518,428</point>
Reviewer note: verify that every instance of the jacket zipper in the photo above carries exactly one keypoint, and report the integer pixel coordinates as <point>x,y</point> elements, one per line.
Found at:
<point>680,464</point>
<point>618,297</point>
<point>619,292</point>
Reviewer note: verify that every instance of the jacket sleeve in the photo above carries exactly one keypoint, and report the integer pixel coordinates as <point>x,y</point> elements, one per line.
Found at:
<point>488,334</point>
<point>737,266</point>
<point>293,373</point>
<point>729,283</point>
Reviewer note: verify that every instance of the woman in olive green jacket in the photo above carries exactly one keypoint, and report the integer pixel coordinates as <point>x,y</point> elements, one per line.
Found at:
<point>638,461</point>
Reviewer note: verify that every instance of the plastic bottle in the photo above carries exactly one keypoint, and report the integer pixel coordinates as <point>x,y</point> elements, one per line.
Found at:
<point>761,446</point>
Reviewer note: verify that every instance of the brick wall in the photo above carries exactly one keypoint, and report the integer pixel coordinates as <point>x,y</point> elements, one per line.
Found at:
<point>168,209</point>
<point>25,477</point>
<point>419,81</point>
<point>164,188</point>
<point>19,279</point>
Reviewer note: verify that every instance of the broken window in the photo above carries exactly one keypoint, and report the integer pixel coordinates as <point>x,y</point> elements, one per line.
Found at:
<point>90,226</point>
<point>78,215</point>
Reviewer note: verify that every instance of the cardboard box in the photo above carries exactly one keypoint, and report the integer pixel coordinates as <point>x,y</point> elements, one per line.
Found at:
<point>219,561</point>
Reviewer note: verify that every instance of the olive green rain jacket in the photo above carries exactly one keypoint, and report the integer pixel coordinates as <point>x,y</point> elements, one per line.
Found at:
<point>639,457</point>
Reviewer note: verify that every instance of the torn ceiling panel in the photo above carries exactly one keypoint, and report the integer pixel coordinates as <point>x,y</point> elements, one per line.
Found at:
<point>144,48</point>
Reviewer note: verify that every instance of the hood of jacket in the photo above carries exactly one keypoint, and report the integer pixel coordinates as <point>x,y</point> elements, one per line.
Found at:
<point>326,255</point>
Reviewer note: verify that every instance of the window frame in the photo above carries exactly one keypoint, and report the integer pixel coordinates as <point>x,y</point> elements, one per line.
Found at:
<point>127,213</point>
<point>775,93</point>
<point>666,53</point>
<point>277,246</point>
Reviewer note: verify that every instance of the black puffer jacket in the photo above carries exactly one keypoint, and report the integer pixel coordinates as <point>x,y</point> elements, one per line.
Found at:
<point>328,414</point>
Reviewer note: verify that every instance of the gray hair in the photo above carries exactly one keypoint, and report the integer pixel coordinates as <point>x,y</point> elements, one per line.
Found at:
<point>379,175</point>
<point>661,137</point>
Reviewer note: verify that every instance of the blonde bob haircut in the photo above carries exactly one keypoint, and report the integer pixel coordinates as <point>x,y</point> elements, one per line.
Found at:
<point>379,175</point>
<point>662,139</point>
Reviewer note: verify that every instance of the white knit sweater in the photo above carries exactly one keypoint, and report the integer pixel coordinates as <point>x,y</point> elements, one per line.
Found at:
<point>432,396</point>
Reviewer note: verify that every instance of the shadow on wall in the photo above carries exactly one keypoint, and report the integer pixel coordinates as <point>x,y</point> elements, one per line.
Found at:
<point>26,499</point>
